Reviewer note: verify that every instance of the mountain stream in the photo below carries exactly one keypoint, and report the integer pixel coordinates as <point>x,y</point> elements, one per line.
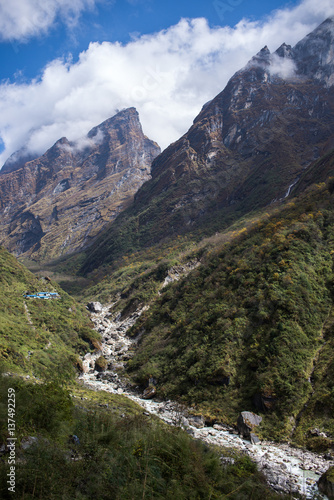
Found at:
<point>287,469</point>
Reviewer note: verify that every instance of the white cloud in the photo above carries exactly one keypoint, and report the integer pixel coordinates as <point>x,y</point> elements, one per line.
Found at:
<point>22,19</point>
<point>167,76</point>
<point>282,67</point>
<point>84,142</point>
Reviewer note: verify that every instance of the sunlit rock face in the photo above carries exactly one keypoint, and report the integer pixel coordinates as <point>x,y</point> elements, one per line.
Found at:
<point>249,146</point>
<point>56,204</point>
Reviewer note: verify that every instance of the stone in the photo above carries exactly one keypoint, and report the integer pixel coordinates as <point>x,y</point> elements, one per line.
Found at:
<point>184,422</point>
<point>225,461</point>
<point>116,366</point>
<point>197,421</point>
<point>101,364</point>
<point>219,427</point>
<point>28,441</point>
<point>254,439</point>
<point>95,307</point>
<point>149,392</point>
<point>246,422</point>
<point>326,483</point>
<point>316,432</point>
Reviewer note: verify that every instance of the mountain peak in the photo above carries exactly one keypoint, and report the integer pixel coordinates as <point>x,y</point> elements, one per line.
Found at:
<point>17,160</point>
<point>263,56</point>
<point>314,55</point>
<point>99,175</point>
<point>284,51</point>
<point>128,115</point>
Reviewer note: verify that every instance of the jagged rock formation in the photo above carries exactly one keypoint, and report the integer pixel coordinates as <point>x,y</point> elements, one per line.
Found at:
<point>253,141</point>
<point>56,204</point>
<point>247,148</point>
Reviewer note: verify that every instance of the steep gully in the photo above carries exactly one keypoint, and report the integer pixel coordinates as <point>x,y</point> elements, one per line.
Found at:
<point>287,469</point>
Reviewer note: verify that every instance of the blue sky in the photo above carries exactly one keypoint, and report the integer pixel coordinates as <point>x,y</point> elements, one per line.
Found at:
<point>121,20</point>
<point>67,67</point>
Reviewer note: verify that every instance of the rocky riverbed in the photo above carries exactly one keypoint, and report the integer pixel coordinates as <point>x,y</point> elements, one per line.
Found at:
<point>287,469</point>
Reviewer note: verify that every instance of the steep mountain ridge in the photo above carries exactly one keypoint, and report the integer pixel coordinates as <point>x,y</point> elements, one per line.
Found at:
<point>314,54</point>
<point>247,148</point>
<point>56,204</point>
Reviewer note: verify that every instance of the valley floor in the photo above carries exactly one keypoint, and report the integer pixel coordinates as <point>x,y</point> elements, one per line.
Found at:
<point>287,469</point>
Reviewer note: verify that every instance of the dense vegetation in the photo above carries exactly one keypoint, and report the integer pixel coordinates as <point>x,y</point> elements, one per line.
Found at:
<point>121,454</point>
<point>39,336</point>
<point>252,327</point>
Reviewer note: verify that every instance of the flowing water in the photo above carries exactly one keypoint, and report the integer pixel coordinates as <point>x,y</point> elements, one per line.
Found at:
<point>287,469</point>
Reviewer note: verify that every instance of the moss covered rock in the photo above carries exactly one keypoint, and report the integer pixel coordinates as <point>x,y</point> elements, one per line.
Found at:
<point>101,364</point>
<point>326,483</point>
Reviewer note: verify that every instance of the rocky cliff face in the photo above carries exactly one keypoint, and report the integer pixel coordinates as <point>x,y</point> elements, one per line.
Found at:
<point>58,203</point>
<point>247,148</point>
<point>251,143</point>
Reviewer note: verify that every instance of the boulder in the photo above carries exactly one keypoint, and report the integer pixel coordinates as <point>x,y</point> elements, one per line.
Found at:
<point>220,427</point>
<point>246,423</point>
<point>149,392</point>
<point>225,461</point>
<point>254,439</point>
<point>197,421</point>
<point>317,432</point>
<point>184,422</point>
<point>326,483</point>
<point>101,364</point>
<point>95,307</point>
<point>28,441</point>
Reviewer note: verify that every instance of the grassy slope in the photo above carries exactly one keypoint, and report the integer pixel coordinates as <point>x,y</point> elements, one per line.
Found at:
<point>122,454</point>
<point>257,315</point>
<point>54,331</point>
<point>243,330</point>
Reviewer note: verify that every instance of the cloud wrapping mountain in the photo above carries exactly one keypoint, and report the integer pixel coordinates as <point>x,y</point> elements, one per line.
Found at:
<point>166,75</point>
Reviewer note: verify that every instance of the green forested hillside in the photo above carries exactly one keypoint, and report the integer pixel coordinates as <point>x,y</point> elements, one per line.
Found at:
<point>119,453</point>
<point>252,327</point>
<point>39,336</point>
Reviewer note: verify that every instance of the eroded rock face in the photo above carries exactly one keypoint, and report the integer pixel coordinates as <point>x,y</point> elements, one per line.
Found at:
<point>246,148</point>
<point>57,203</point>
